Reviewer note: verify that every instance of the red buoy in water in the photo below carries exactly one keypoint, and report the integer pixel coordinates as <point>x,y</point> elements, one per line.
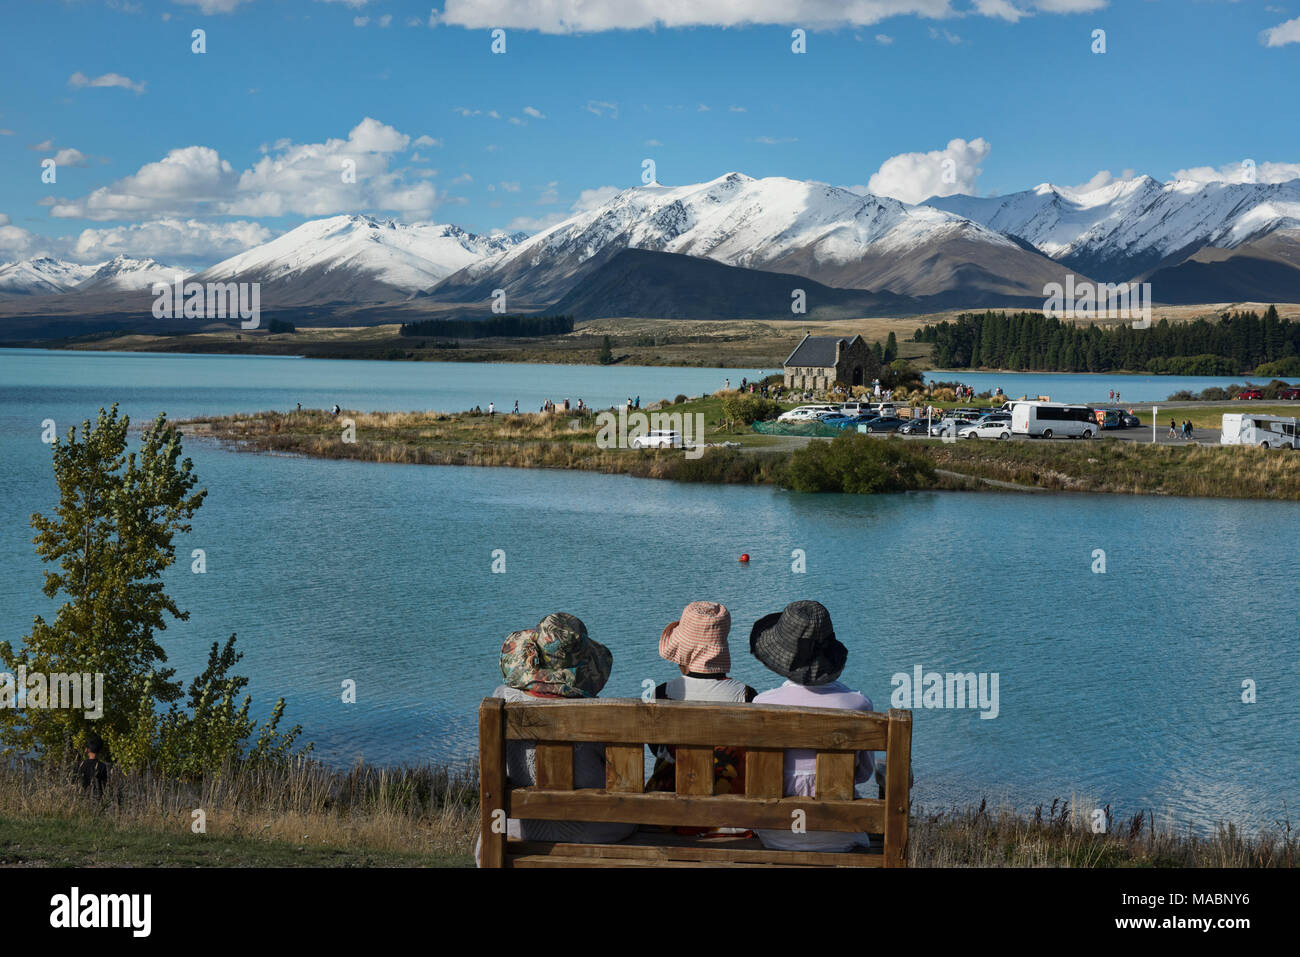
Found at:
<point>744,559</point>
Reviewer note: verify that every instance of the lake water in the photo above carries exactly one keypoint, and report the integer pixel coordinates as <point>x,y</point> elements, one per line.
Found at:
<point>1123,687</point>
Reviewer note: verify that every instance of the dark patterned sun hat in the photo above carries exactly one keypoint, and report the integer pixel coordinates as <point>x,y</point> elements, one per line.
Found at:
<point>799,643</point>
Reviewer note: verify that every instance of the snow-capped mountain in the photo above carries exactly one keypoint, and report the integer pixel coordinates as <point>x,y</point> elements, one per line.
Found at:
<point>1130,227</point>
<point>354,259</point>
<point>123,274</point>
<point>824,233</point>
<point>41,277</point>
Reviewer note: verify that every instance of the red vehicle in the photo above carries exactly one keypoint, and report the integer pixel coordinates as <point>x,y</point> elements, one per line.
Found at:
<point>1249,394</point>
<point>1292,393</point>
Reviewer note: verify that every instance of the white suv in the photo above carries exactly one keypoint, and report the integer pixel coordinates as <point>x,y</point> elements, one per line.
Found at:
<point>986,429</point>
<point>657,439</point>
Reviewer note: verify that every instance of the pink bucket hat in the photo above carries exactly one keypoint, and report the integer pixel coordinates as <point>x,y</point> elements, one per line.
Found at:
<point>698,642</point>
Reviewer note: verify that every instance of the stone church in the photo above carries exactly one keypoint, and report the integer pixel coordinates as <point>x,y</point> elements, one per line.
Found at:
<point>819,362</point>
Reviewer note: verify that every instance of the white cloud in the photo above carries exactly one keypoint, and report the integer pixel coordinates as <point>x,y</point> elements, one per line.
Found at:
<point>884,39</point>
<point>912,177</point>
<point>772,140</point>
<point>70,157</point>
<point>602,108</point>
<point>1241,172</point>
<point>653,143</point>
<point>587,200</point>
<point>214,6</point>
<point>462,178</point>
<point>1102,178</point>
<point>582,16</point>
<point>534,112</point>
<point>17,243</point>
<point>549,195</point>
<point>511,187</point>
<point>736,109</point>
<point>45,146</point>
<point>1000,10</point>
<point>1282,34</point>
<point>360,21</point>
<point>80,79</point>
<point>426,140</point>
<point>290,178</point>
<point>163,238</point>
<point>386,21</point>
<point>6,132</point>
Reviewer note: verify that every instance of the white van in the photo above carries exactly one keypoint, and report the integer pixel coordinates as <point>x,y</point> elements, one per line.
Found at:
<point>1269,431</point>
<point>1049,419</point>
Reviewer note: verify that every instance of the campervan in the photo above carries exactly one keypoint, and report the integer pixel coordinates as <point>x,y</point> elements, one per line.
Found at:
<point>1270,431</point>
<point>1048,419</point>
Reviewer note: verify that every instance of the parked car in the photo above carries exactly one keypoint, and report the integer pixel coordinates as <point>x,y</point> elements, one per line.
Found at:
<point>986,429</point>
<point>1249,394</point>
<point>914,427</point>
<point>1129,421</point>
<point>855,408</point>
<point>1293,393</point>
<point>949,425</point>
<point>837,420</point>
<point>806,413</point>
<point>882,423</point>
<point>657,439</point>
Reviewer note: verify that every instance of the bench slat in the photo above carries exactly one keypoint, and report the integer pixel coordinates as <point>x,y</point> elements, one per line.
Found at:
<point>696,724</point>
<point>625,768</point>
<point>764,772</point>
<point>555,766</point>
<point>725,810</point>
<point>835,773</point>
<point>673,848</point>
<point>695,771</point>
<point>898,784</point>
<point>493,790</point>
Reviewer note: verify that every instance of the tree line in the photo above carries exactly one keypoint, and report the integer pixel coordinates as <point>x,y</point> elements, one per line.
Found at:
<point>513,326</point>
<point>1028,341</point>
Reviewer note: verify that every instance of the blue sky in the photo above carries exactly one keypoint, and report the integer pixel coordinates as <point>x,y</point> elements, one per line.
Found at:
<point>190,158</point>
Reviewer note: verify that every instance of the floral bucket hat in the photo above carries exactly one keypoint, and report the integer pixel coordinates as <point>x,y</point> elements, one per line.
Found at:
<point>557,658</point>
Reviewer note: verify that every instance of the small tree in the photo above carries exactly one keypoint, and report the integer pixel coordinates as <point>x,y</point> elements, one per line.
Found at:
<point>606,351</point>
<point>111,538</point>
<point>745,408</point>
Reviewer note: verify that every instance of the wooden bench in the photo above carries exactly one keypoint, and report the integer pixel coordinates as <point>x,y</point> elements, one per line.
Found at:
<point>624,726</point>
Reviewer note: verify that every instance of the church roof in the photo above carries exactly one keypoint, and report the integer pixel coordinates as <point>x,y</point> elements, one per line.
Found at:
<point>817,351</point>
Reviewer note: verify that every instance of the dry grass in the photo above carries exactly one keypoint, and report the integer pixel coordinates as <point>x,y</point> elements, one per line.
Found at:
<point>421,810</point>
<point>430,816</point>
<point>1062,836</point>
<point>1129,467</point>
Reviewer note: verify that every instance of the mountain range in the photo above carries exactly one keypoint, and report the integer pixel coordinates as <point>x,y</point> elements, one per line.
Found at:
<point>737,247</point>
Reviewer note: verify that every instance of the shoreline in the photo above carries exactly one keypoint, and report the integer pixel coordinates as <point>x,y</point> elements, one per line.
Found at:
<point>533,440</point>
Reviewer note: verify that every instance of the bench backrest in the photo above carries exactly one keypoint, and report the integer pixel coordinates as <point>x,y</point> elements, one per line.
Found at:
<point>624,726</point>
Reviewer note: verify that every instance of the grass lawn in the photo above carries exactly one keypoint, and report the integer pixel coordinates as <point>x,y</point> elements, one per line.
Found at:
<point>92,842</point>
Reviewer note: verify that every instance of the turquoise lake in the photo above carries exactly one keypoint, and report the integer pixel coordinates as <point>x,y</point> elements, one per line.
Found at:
<point>1122,688</point>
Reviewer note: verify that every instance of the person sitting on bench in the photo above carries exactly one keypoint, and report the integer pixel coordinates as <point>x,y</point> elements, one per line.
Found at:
<point>554,661</point>
<point>799,644</point>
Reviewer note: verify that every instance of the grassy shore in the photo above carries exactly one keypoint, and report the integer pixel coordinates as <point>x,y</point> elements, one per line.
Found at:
<point>568,441</point>
<point>310,816</point>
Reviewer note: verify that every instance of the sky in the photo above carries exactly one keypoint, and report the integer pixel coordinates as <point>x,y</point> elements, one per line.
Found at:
<point>298,109</point>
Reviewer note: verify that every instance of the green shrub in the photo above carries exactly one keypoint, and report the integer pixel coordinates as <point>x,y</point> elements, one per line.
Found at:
<point>746,408</point>
<point>1290,366</point>
<point>858,464</point>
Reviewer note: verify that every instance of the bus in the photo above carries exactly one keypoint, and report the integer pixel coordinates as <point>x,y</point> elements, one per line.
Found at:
<point>1269,431</point>
<point>1049,419</point>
